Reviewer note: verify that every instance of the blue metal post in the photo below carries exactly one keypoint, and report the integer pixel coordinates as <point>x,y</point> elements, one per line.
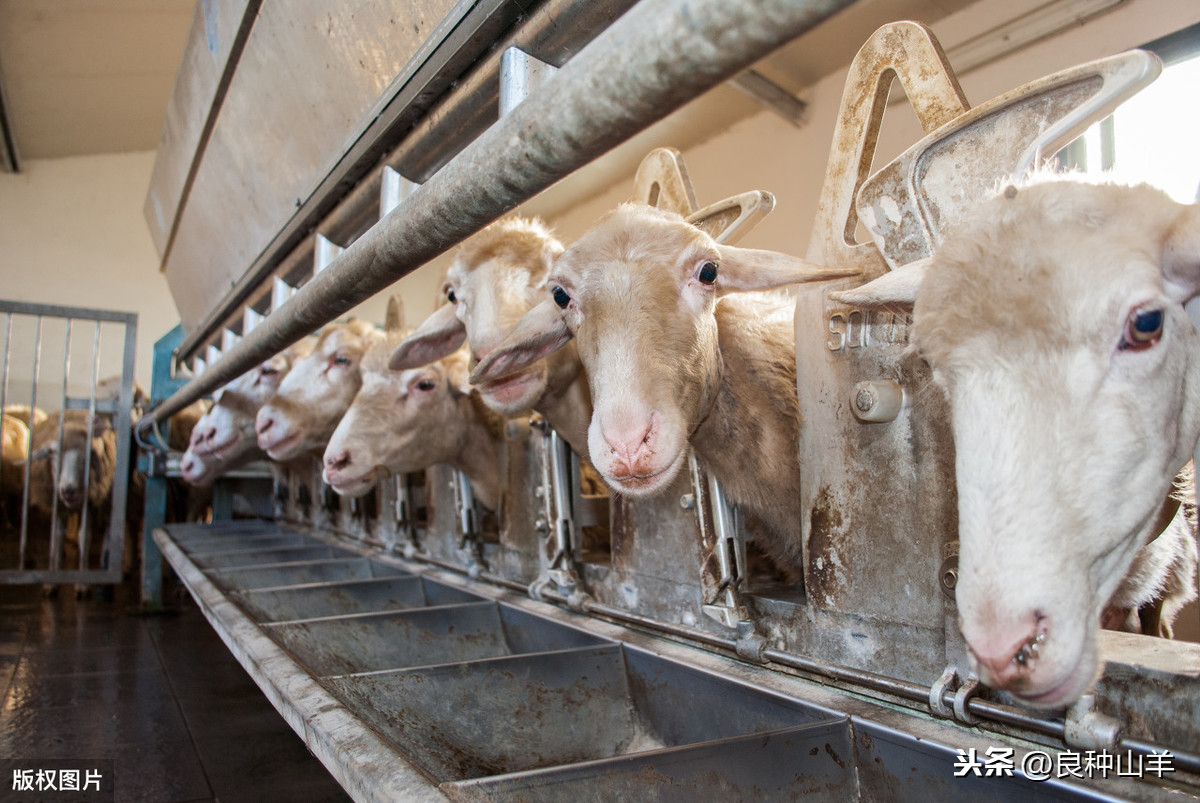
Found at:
<point>163,383</point>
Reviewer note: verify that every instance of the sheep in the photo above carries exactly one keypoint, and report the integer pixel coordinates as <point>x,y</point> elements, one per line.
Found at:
<point>69,462</point>
<point>1053,320</point>
<point>406,421</point>
<point>496,277</point>
<point>29,416</point>
<point>57,475</point>
<point>1162,578</point>
<point>677,351</point>
<point>225,437</point>
<point>314,395</point>
<point>15,448</point>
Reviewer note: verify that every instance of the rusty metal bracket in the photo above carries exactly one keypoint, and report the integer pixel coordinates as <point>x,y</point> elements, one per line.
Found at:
<point>963,696</point>
<point>910,202</point>
<point>751,646</point>
<point>468,523</point>
<point>726,543</point>
<point>558,522</point>
<point>957,710</point>
<point>1085,727</point>
<point>939,689</point>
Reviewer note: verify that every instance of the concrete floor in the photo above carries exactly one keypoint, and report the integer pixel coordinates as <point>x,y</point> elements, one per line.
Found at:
<point>160,695</point>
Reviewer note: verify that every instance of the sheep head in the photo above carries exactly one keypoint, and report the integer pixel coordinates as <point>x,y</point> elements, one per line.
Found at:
<point>69,464</point>
<point>1054,320</point>
<point>225,436</point>
<point>496,277</point>
<point>311,399</point>
<point>400,421</point>
<point>637,293</point>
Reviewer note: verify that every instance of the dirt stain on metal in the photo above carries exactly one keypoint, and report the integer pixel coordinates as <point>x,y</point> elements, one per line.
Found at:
<point>833,754</point>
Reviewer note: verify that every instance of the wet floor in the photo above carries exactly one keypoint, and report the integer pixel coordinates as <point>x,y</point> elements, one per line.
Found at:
<point>160,695</point>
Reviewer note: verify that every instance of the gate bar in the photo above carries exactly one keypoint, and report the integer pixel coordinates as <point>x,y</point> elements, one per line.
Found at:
<point>37,365</point>
<point>57,536</point>
<point>650,62</point>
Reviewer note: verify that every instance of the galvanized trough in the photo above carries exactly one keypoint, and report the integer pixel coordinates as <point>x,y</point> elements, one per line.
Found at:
<point>411,682</point>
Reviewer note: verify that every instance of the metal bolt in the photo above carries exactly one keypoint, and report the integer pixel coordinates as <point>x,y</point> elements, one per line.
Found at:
<point>950,579</point>
<point>878,400</point>
<point>539,492</point>
<point>865,400</point>
<point>541,525</point>
<point>687,501</point>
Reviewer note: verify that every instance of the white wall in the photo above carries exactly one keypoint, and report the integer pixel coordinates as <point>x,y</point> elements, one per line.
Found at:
<point>72,233</point>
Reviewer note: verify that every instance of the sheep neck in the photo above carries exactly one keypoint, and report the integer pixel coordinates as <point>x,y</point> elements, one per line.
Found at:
<point>567,407</point>
<point>748,438</point>
<point>478,459</point>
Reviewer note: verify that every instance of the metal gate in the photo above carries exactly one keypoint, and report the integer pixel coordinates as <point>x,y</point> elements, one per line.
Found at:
<point>66,397</point>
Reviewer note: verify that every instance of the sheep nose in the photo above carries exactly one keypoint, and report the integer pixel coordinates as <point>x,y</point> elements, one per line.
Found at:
<point>629,440</point>
<point>338,461</point>
<point>263,424</point>
<point>1009,655</point>
<point>69,494</point>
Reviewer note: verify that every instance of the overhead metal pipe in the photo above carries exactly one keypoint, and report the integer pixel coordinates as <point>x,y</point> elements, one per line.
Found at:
<point>657,57</point>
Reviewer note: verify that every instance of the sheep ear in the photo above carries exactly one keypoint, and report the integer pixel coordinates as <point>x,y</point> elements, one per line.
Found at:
<point>894,289</point>
<point>746,269</point>
<point>539,333</point>
<point>440,335</point>
<point>1181,255</point>
<point>394,321</point>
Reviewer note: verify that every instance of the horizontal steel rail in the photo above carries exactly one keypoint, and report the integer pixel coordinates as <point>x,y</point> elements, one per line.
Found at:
<point>653,60</point>
<point>59,311</point>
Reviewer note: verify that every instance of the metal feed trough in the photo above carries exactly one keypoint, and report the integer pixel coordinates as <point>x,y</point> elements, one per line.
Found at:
<point>423,649</point>
<point>421,684</point>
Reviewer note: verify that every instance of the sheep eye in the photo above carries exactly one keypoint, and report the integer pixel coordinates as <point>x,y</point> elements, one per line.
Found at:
<point>560,296</point>
<point>453,299</point>
<point>340,360</point>
<point>707,273</point>
<point>269,371</point>
<point>1143,329</point>
<point>425,384</point>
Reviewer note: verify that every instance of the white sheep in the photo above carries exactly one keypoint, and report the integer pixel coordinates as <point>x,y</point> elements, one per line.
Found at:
<point>1053,318</point>
<point>406,421</point>
<point>225,437</point>
<point>312,398</point>
<point>497,276</point>
<point>677,352</point>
